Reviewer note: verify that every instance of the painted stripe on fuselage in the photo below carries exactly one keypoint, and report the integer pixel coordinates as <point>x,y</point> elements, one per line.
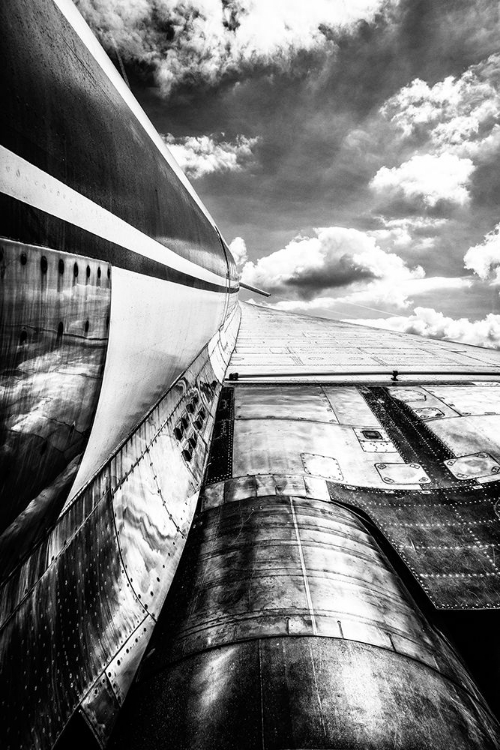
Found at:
<point>23,181</point>
<point>72,15</point>
<point>35,227</point>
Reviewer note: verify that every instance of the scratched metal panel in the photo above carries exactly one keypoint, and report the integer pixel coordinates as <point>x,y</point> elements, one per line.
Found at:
<point>350,407</point>
<point>53,341</point>
<point>78,594</point>
<point>239,582</point>
<point>303,693</point>
<point>270,566</point>
<point>465,436</point>
<point>263,485</point>
<point>147,535</point>
<point>422,399</point>
<point>277,447</point>
<point>467,400</point>
<point>61,634</point>
<point>282,402</point>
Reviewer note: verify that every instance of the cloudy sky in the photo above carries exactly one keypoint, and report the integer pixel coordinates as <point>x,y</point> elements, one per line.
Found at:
<point>349,150</point>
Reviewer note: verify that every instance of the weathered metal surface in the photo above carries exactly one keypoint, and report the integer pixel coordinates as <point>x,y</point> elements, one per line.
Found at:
<point>282,402</point>
<point>302,692</point>
<point>285,444</point>
<point>322,466</point>
<point>452,556</point>
<point>448,537</point>
<point>262,485</point>
<point>412,435</point>
<point>478,465</point>
<point>273,342</point>
<point>398,473</point>
<point>467,435</point>
<point>464,421</point>
<point>287,627</point>
<point>220,459</point>
<point>65,629</point>
<point>350,407</point>
<point>287,565</point>
<point>469,399</point>
<point>54,317</point>
<point>76,615</point>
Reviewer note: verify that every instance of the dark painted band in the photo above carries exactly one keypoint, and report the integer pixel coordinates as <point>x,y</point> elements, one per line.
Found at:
<point>23,223</point>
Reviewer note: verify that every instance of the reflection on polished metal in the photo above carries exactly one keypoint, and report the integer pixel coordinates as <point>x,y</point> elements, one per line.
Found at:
<point>344,468</point>
<point>286,625</point>
<point>76,616</point>
<point>118,317</point>
<point>55,310</point>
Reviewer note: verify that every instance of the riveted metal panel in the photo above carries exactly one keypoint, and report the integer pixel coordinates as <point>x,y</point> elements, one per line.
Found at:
<point>423,402</point>
<point>122,668</point>
<point>147,535</point>
<point>63,631</point>
<point>448,537</point>
<point>409,395</point>
<point>322,466</point>
<point>272,342</point>
<point>282,402</point>
<point>98,705</point>
<point>398,473</point>
<point>53,342</point>
<point>276,446</point>
<point>469,400</point>
<point>220,459</point>
<point>267,568</point>
<point>467,435</point>
<point>104,568</point>
<point>350,407</point>
<point>477,465</point>
<point>240,488</point>
<point>287,565</point>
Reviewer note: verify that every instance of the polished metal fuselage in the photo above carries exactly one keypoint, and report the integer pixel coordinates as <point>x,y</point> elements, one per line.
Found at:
<point>343,482</point>
<point>292,622</point>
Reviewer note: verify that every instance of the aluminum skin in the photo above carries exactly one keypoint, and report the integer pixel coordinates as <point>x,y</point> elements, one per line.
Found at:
<point>339,588</point>
<point>290,623</point>
<point>118,318</point>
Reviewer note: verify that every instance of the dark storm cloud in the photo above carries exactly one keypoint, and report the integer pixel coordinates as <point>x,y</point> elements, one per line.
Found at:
<point>309,284</point>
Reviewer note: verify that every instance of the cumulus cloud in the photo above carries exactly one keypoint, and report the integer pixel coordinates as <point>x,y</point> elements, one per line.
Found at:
<point>427,177</point>
<point>386,294</point>
<point>484,259</point>
<point>239,251</point>
<point>410,235</point>
<point>455,115</point>
<point>444,134</point>
<point>428,322</point>
<point>202,155</point>
<point>182,40</point>
<point>378,296</point>
<point>335,258</point>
